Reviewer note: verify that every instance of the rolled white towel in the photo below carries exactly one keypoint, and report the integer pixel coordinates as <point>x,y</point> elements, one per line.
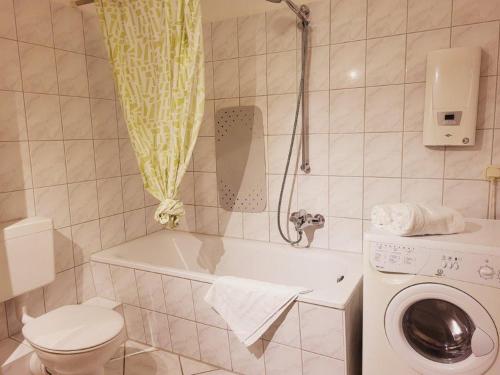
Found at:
<point>411,219</point>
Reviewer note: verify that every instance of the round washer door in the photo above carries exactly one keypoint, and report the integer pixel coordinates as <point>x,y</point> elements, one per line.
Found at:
<point>440,330</point>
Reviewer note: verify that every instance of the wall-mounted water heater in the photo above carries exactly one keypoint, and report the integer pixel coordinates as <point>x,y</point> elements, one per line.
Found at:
<point>451,96</point>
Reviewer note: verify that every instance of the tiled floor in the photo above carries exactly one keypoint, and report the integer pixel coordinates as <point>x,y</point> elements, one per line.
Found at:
<point>140,359</point>
<point>132,359</point>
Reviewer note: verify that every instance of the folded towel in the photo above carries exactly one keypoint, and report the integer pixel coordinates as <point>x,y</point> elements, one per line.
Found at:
<point>248,306</point>
<point>411,219</point>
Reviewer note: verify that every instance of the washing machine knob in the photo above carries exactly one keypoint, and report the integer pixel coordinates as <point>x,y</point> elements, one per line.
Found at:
<point>486,272</point>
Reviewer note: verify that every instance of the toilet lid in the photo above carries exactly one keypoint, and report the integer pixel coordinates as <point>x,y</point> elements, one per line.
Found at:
<point>73,328</point>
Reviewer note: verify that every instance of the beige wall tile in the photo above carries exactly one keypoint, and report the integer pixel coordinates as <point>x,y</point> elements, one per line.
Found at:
<point>86,240</point>
<point>75,117</point>
<point>214,346</point>
<point>80,164</point>
<point>112,231</point>
<point>38,67</point>
<point>12,116</point>
<point>422,191</point>
<point>226,78</point>
<point>385,60</point>
<point>348,20</point>
<point>280,68</point>
<point>16,204</point>
<point>53,202</point>
<point>124,284</point>
<point>43,117</point>
<point>62,291</point>
<point>104,125</point>
<point>47,163</point>
<point>10,69</point>
<point>466,12</point>
<point>33,21</point>
<point>347,65</point>
<point>428,14</point>
<point>384,108</point>
<point>109,193</point>
<point>107,158</point>
<point>68,27</point>
<point>100,76</point>
<point>252,75</point>
<point>133,192</point>
<point>470,198</point>
<point>85,289</point>
<point>134,323</point>
<point>347,109</point>
<point>7,20</point>
<point>281,26</point>
<point>156,329</point>
<point>135,224</point>
<point>420,161</point>
<point>94,41</point>
<point>72,73</point>
<point>281,359</point>
<point>184,337</point>
<point>83,202</point>
<point>63,248</point>
<point>386,17</point>
<point>383,154</point>
<point>225,39</point>
<point>484,35</point>
<point>252,35</point>
<point>178,297</point>
<point>15,168</point>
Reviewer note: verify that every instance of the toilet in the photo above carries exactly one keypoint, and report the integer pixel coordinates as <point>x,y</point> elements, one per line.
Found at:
<point>69,340</point>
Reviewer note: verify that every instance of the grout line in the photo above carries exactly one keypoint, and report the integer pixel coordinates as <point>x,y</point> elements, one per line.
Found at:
<point>364,133</point>
<point>404,109</point>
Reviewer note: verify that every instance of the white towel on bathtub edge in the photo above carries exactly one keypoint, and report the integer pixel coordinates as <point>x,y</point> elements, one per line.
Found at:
<point>412,219</point>
<point>250,307</point>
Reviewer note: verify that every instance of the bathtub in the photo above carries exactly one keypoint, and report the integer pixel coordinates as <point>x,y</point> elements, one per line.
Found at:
<point>163,277</point>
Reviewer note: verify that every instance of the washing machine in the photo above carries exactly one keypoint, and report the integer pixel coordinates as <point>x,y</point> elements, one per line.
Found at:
<point>431,304</point>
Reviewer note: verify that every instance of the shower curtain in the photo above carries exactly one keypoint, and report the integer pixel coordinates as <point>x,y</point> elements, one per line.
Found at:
<point>155,48</point>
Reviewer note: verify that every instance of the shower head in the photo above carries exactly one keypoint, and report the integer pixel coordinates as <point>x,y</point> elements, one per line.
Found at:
<point>302,12</point>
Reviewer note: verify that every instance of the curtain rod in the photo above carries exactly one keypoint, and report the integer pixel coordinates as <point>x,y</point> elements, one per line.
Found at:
<point>83,2</point>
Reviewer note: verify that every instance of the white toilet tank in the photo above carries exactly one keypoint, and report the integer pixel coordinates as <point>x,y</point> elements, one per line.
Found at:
<point>26,256</point>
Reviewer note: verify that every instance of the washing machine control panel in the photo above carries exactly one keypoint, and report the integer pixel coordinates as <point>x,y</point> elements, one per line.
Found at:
<point>406,259</point>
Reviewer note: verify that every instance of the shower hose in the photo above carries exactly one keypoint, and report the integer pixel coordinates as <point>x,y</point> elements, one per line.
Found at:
<point>300,98</point>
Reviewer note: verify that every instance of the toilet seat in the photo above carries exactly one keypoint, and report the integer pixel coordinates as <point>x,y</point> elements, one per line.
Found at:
<point>73,329</point>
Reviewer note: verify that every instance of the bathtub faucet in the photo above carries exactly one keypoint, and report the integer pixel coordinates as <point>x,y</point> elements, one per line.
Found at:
<point>302,220</point>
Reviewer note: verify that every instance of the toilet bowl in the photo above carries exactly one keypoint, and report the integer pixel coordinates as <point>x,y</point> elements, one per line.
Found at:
<point>74,340</point>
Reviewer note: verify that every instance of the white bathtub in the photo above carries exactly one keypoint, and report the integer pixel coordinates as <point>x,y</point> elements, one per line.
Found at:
<point>332,275</point>
<point>161,280</point>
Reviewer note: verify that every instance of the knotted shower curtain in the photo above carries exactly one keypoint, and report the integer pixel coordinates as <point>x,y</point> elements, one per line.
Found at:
<point>155,48</point>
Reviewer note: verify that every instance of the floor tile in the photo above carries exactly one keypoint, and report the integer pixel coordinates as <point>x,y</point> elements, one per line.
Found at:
<point>191,367</point>
<point>152,363</point>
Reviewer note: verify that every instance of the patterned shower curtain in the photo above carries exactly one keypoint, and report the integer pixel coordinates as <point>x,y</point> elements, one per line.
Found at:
<point>155,48</point>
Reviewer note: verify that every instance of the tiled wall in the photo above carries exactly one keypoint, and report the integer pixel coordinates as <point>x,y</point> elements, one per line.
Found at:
<point>366,84</point>
<point>64,151</point>
<point>171,313</point>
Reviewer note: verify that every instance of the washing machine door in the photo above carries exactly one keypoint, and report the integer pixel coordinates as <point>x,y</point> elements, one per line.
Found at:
<point>440,330</point>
